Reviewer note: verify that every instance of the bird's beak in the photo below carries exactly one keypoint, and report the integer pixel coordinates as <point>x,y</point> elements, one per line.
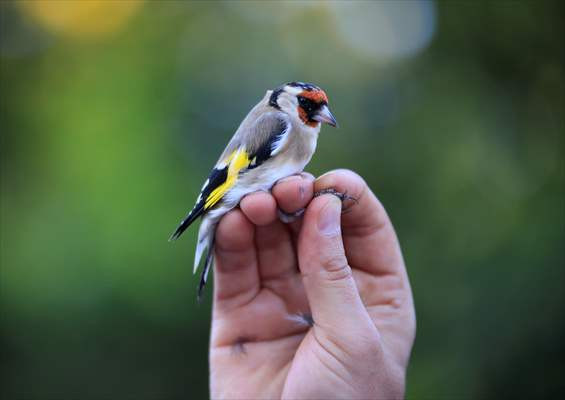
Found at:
<point>325,115</point>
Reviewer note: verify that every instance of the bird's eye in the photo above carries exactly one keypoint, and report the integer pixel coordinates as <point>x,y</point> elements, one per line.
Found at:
<point>307,104</point>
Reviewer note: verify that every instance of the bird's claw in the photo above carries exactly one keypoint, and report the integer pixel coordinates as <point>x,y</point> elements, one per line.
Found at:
<point>342,196</point>
<point>287,218</point>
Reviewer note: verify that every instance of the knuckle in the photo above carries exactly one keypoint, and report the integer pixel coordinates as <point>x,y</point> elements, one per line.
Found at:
<point>334,262</point>
<point>337,269</point>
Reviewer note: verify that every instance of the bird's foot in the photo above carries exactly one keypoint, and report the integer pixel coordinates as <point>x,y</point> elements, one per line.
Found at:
<point>344,197</point>
<point>287,218</point>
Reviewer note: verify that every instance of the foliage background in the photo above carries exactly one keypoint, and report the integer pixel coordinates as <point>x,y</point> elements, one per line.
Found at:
<point>112,113</point>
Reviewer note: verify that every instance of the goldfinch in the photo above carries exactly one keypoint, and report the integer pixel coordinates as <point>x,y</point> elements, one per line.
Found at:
<point>275,140</point>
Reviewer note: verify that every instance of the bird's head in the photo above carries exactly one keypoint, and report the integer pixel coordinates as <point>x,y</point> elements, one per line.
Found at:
<point>304,102</point>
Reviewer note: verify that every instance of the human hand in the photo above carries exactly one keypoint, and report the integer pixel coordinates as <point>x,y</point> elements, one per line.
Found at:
<point>349,276</point>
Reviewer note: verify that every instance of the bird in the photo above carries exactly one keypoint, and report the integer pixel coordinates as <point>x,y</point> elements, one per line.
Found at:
<point>276,139</point>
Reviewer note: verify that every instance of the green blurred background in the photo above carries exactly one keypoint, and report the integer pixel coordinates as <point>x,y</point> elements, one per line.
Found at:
<point>112,113</point>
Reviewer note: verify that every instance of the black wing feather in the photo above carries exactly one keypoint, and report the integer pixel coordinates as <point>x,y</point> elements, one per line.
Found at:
<point>217,177</point>
<point>264,152</point>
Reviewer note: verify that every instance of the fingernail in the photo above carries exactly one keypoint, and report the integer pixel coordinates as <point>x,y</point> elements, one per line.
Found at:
<point>329,218</point>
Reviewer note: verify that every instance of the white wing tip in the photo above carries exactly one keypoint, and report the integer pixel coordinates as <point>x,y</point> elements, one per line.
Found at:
<point>200,247</point>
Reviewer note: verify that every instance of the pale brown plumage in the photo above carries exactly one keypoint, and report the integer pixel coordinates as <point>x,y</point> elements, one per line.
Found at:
<point>276,139</point>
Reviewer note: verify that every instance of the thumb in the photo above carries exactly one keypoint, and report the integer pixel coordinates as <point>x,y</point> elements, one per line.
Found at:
<point>328,279</point>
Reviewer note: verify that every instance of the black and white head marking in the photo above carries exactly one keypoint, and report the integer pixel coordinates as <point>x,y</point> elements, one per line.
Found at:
<point>304,86</point>
<point>274,97</point>
<point>291,87</point>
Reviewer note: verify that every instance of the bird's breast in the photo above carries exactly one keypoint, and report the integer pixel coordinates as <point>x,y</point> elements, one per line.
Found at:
<point>291,160</point>
<point>303,144</point>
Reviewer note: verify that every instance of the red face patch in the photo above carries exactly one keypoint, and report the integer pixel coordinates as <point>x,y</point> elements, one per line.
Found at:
<point>317,96</point>
<point>304,117</point>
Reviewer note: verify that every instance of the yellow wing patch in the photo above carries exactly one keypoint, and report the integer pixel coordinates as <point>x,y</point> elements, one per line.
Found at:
<point>237,161</point>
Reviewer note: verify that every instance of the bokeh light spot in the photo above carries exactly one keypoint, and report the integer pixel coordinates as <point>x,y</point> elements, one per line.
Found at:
<point>385,30</point>
<point>82,19</point>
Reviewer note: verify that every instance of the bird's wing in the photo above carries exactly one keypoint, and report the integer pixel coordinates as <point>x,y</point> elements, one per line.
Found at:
<point>248,149</point>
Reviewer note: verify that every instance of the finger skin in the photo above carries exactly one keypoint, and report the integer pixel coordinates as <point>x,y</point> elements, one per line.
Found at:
<point>236,275</point>
<point>294,193</point>
<point>275,252</point>
<point>369,238</point>
<point>274,242</point>
<point>355,349</point>
<point>260,208</point>
<point>328,279</point>
<point>372,249</point>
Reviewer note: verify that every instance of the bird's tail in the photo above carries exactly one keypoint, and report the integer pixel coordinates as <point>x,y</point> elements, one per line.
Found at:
<point>185,223</point>
<point>206,234</point>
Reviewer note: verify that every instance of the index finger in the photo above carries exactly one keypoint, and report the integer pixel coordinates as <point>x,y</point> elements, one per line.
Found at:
<point>368,235</point>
